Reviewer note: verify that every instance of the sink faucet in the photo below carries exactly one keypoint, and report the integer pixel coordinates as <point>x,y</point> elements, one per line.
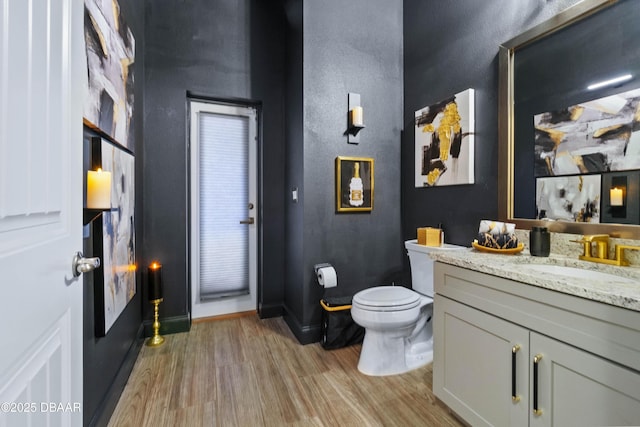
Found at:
<point>601,250</point>
<point>620,253</point>
<point>601,253</point>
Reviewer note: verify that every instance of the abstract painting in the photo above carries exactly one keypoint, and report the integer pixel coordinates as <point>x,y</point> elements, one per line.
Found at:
<point>569,198</point>
<point>354,184</point>
<point>110,47</point>
<point>597,136</point>
<point>116,243</point>
<point>444,142</point>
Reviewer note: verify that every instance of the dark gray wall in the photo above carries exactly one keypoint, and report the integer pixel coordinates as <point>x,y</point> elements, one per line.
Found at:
<point>449,47</point>
<point>337,47</point>
<point>224,49</point>
<point>294,223</point>
<point>109,360</point>
<point>268,47</point>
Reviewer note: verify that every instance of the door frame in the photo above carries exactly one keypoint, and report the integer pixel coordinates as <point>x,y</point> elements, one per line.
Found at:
<point>218,106</point>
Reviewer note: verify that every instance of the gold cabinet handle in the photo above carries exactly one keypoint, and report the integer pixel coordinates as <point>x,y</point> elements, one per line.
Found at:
<point>248,221</point>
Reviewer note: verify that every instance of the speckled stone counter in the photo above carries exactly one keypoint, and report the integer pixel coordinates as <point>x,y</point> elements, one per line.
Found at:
<point>566,245</point>
<point>622,289</point>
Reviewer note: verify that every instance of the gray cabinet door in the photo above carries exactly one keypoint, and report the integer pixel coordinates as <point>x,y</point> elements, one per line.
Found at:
<point>474,365</point>
<point>577,388</point>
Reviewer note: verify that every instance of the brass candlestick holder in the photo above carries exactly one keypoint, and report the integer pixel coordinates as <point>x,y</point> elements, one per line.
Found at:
<point>157,339</point>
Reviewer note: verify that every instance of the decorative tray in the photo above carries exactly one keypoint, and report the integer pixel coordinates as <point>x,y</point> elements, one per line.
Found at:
<point>481,248</point>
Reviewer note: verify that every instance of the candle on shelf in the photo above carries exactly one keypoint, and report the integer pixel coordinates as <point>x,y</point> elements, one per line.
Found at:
<point>356,116</point>
<point>98,189</point>
<point>155,281</point>
<point>615,196</point>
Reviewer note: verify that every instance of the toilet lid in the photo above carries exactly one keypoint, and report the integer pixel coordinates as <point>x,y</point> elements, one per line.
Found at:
<point>382,297</point>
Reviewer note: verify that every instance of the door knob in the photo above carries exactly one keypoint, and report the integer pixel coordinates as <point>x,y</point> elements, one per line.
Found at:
<point>81,264</point>
<point>247,221</point>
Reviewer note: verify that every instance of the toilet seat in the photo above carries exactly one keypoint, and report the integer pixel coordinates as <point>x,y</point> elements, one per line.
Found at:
<point>387,298</point>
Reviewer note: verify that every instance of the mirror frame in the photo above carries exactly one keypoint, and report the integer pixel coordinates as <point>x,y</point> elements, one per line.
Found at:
<point>506,148</point>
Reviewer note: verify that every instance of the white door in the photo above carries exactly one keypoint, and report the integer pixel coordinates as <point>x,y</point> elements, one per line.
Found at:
<point>224,210</point>
<point>42,85</point>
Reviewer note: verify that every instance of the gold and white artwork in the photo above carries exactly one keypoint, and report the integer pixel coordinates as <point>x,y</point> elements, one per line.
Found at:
<point>444,142</point>
<point>595,136</point>
<point>569,198</point>
<point>118,235</point>
<point>110,47</point>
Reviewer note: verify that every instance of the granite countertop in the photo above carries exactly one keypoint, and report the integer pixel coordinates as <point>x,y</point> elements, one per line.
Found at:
<point>623,292</point>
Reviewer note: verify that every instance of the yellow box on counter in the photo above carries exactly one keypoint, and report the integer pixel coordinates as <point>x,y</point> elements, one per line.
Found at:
<point>429,236</point>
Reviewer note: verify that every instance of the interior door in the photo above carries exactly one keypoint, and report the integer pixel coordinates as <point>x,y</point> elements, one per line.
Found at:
<point>224,211</point>
<point>41,92</point>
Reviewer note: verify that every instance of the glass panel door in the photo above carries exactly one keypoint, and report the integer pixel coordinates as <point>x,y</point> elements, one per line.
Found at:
<point>223,208</point>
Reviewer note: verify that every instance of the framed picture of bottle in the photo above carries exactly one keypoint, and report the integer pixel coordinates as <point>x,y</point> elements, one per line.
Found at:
<point>354,184</point>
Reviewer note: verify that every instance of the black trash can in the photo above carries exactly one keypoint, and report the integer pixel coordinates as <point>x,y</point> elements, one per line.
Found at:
<point>338,328</point>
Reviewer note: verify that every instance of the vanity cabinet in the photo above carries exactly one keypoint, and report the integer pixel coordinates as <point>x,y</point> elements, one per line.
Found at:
<point>488,331</point>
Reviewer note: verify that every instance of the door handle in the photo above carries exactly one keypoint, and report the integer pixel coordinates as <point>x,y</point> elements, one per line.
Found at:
<point>80,264</point>
<point>248,221</point>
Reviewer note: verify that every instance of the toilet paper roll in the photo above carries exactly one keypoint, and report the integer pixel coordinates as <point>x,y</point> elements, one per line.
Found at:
<point>327,277</point>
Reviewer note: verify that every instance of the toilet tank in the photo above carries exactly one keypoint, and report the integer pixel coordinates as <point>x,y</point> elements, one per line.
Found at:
<point>422,264</point>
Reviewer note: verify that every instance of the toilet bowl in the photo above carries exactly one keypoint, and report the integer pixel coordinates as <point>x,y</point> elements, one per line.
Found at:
<point>397,321</point>
<point>395,338</point>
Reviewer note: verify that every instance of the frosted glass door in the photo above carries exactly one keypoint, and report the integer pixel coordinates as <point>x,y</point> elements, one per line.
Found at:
<point>224,188</point>
<point>224,200</point>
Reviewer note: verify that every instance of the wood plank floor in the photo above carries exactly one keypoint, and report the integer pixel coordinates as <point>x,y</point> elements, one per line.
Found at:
<point>252,372</point>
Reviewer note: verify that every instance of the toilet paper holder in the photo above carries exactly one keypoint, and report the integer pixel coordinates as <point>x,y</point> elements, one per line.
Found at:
<point>319,266</point>
<point>326,275</point>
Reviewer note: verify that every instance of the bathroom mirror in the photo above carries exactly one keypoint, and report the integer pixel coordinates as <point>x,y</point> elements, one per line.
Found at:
<point>547,69</point>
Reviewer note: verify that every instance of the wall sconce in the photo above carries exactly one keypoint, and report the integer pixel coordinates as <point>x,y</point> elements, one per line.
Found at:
<point>355,119</point>
<point>618,192</point>
<point>98,194</point>
<point>616,197</point>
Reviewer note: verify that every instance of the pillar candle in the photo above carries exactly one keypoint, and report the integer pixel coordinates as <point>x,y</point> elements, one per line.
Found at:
<point>356,116</point>
<point>98,189</point>
<point>615,196</point>
<point>155,281</point>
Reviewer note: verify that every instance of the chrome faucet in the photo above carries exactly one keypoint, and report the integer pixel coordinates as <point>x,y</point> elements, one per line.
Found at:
<point>601,252</point>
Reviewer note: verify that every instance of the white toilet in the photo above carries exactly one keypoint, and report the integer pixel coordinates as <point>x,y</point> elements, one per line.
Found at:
<point>398,334</point>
